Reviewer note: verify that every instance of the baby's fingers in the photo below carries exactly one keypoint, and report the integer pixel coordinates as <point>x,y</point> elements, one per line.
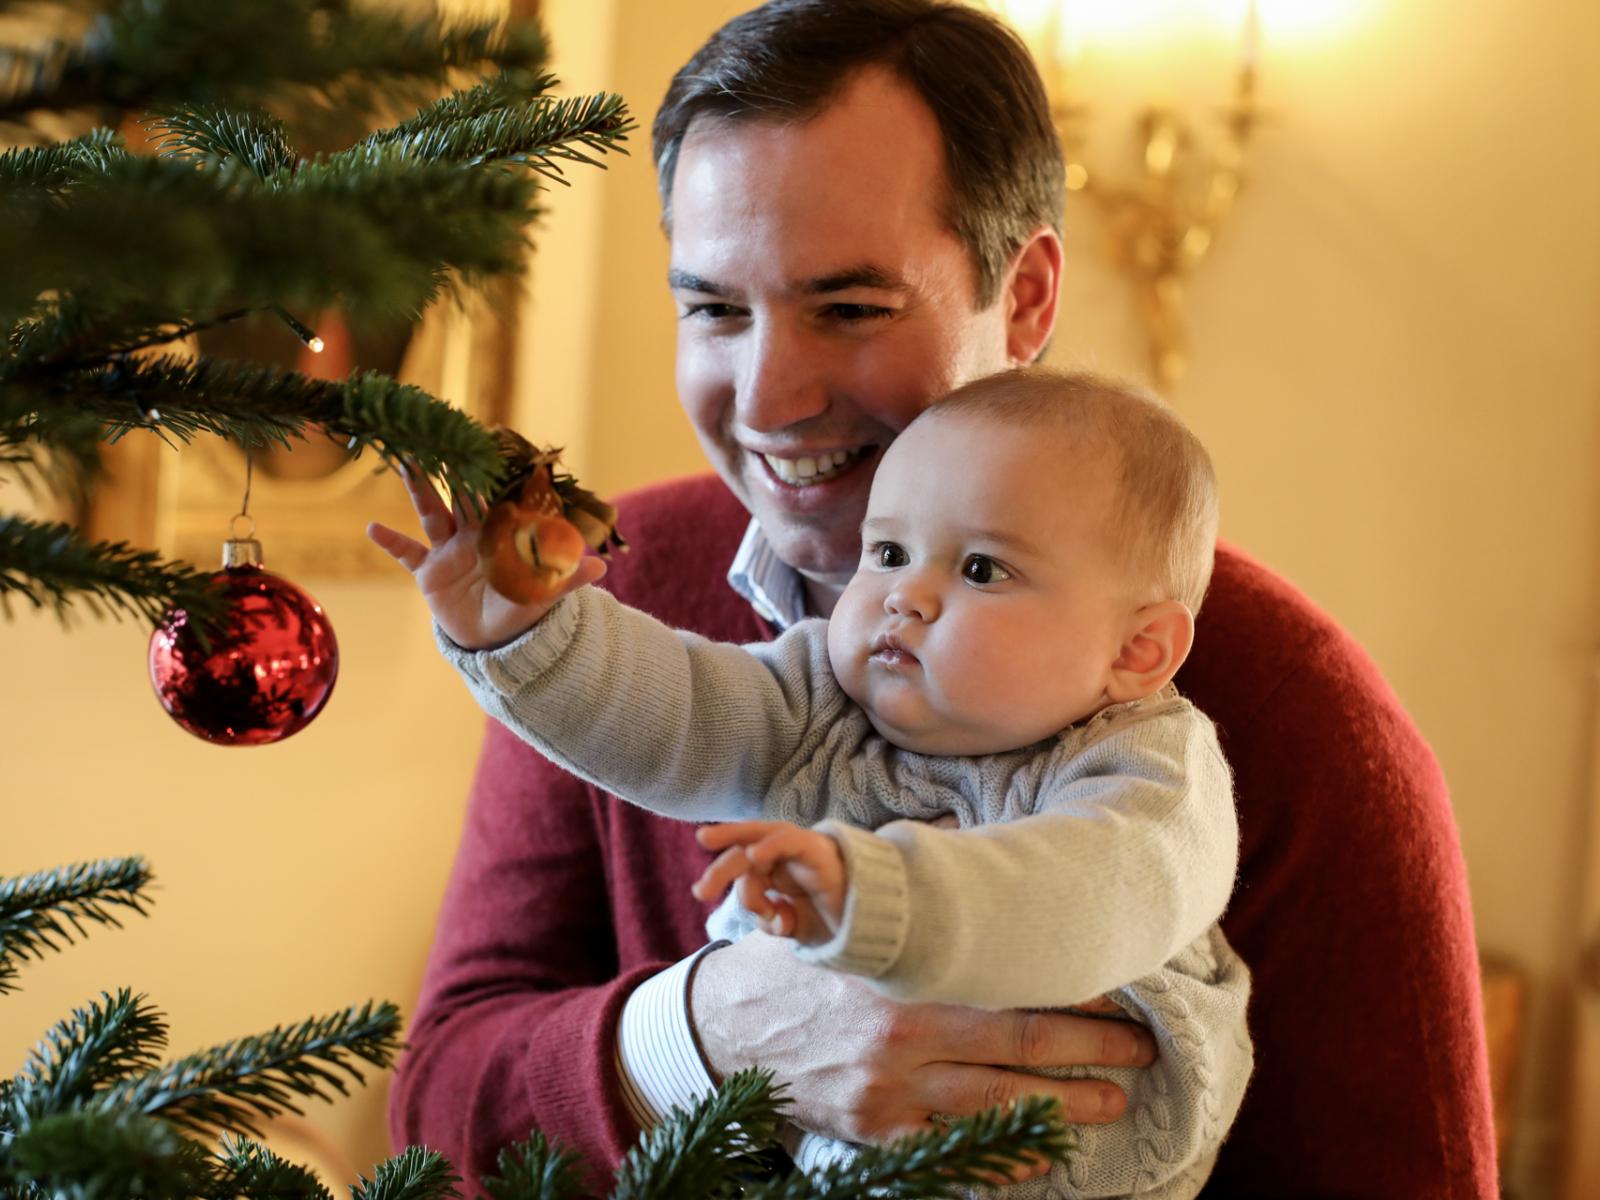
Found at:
<point>736,833</point>
<point>438,526</point>
<point>406,551</point>
<point>791,844</point>
<point>777,915</point>
<point>716,879</point>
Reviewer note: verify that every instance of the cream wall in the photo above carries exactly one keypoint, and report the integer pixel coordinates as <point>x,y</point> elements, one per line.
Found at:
<point>1396,368</point>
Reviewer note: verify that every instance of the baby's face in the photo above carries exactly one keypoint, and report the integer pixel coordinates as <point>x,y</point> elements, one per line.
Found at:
<point>989,605</point>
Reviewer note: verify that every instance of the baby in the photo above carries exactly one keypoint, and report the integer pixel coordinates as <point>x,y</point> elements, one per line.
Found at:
<point>1035,548</point>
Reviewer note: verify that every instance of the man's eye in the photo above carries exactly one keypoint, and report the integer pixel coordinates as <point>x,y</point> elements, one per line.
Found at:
<point>887,554</point>
<point>858,312</point>
<point>710,311</point>
<point>980,568</point>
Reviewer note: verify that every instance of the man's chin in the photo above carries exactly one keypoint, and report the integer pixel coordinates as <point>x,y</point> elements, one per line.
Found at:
<point>823,546</point>
<point>817,558</point>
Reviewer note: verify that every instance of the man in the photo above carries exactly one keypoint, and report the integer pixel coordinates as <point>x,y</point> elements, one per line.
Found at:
<point>862,198</point>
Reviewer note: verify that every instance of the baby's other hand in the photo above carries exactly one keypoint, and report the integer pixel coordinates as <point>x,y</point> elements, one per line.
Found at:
<point>793,879</point>
<point>448,571</point>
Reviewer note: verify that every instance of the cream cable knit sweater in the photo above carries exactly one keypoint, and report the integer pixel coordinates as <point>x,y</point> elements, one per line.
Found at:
<point>1097,862</point>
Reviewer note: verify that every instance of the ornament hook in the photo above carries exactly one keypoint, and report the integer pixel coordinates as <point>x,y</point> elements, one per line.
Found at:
<point>242,550</point>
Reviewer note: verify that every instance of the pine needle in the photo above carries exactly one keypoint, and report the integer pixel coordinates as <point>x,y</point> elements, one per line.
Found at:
<point>535,1169</point>
<point>51,566</point>
<point>148,56</point>
<point>531,131</point>
<point>416,1173</point>
<point>37,911</point>
<point>104,1155</point>
<point>232,1085</point>
<point>703,1152</point>
<point>213,134</point>
<point>942,1162</point>
<point>93,1048</point>
<point>247,1170</point>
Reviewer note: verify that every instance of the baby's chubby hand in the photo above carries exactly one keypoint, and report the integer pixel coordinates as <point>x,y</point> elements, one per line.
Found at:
<point>470,611</point>
<point>792,879</point>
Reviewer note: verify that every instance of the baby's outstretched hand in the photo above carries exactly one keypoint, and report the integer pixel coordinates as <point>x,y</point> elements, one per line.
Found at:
<point>452,578</point>
<point>792,879</point>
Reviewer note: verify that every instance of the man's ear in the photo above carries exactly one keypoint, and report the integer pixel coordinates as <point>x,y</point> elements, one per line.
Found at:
<point>1155,643</point>
<point>1033,288</point>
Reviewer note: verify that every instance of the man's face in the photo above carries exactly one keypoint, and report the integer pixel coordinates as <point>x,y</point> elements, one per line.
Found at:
<point>822,304</point>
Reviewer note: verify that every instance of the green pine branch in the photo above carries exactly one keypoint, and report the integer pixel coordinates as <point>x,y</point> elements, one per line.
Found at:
<point>485,125</point>
<point>258,406</point>
<point>150,56</point>
<point>940,1162</point>
<point>43,911</point>
<point>373,236</point>
<point>95,1047</point>
<point>702,1152</point>
<point>211,134</point>
<point>59,164</point>
<point>51,566</point>
<point>416,1173</point>
<point>233,1085</point>
<point>247,1170</point>
<point>91,1154</point>
<point>535,1169</point>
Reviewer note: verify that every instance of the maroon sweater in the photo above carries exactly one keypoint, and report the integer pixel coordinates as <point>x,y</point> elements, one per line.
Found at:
<point>1351,908</point>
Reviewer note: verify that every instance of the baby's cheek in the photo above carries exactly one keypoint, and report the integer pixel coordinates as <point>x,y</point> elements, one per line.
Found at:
<point>845,667</point>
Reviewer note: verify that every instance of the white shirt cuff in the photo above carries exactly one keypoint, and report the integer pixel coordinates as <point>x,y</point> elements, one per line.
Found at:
<point>659,1064</point>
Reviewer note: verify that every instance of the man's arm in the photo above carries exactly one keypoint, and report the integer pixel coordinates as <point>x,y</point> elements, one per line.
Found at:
<point>514,1028</point>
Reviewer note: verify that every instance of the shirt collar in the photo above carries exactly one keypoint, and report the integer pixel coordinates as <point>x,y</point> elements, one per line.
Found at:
<point>772,587</point>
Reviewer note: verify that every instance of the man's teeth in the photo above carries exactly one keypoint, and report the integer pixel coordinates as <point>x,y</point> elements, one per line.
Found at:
<point>802,472</point>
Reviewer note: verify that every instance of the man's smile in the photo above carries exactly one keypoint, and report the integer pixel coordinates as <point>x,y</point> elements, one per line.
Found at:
<point>808,470</point>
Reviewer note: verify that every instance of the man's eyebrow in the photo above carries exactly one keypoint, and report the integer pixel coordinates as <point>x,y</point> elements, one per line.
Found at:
<point>864,276</point>
<point>688,282</point>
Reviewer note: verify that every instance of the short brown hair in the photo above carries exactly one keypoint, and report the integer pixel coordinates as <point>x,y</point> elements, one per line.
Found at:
<point>1166,513</point>
<point>789,58</point>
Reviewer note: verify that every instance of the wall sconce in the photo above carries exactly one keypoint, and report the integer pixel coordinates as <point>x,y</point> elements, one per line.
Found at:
<point>1162,223</point>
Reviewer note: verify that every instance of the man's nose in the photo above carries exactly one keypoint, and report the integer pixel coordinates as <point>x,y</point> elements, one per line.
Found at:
<point>913,597</point>
<point>783,378</point>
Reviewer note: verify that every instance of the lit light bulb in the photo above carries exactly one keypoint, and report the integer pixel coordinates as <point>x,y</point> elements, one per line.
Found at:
<point>316,344</point>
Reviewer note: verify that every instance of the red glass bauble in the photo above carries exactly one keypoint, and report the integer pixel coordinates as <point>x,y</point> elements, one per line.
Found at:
<point>266,677</point>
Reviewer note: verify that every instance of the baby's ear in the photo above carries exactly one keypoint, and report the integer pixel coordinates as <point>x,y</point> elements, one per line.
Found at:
<point>1155,642</point>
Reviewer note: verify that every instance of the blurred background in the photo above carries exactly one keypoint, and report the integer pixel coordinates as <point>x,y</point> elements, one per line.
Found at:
<point>1393,355</point>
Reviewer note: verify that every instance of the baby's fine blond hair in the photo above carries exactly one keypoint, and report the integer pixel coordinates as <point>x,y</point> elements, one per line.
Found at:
<point>1166,511</point>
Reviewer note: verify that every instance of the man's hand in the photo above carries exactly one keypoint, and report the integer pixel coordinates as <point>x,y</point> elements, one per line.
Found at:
<point>473,614</point>
<point>865,1068</point>
<point>792,879</point>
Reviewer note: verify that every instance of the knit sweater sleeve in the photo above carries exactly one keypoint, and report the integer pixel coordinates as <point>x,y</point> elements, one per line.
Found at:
<point>1129,856</point>
<point>665,718</point>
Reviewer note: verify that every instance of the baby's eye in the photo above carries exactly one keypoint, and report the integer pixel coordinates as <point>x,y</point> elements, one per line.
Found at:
<point>887,554</point>
<point>980,568</point>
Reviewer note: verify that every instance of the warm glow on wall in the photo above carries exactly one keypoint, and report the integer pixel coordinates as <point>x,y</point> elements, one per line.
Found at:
<point>1130,25</point>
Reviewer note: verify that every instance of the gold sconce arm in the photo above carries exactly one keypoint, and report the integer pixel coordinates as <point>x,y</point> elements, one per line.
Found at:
<point>1162,224</point>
